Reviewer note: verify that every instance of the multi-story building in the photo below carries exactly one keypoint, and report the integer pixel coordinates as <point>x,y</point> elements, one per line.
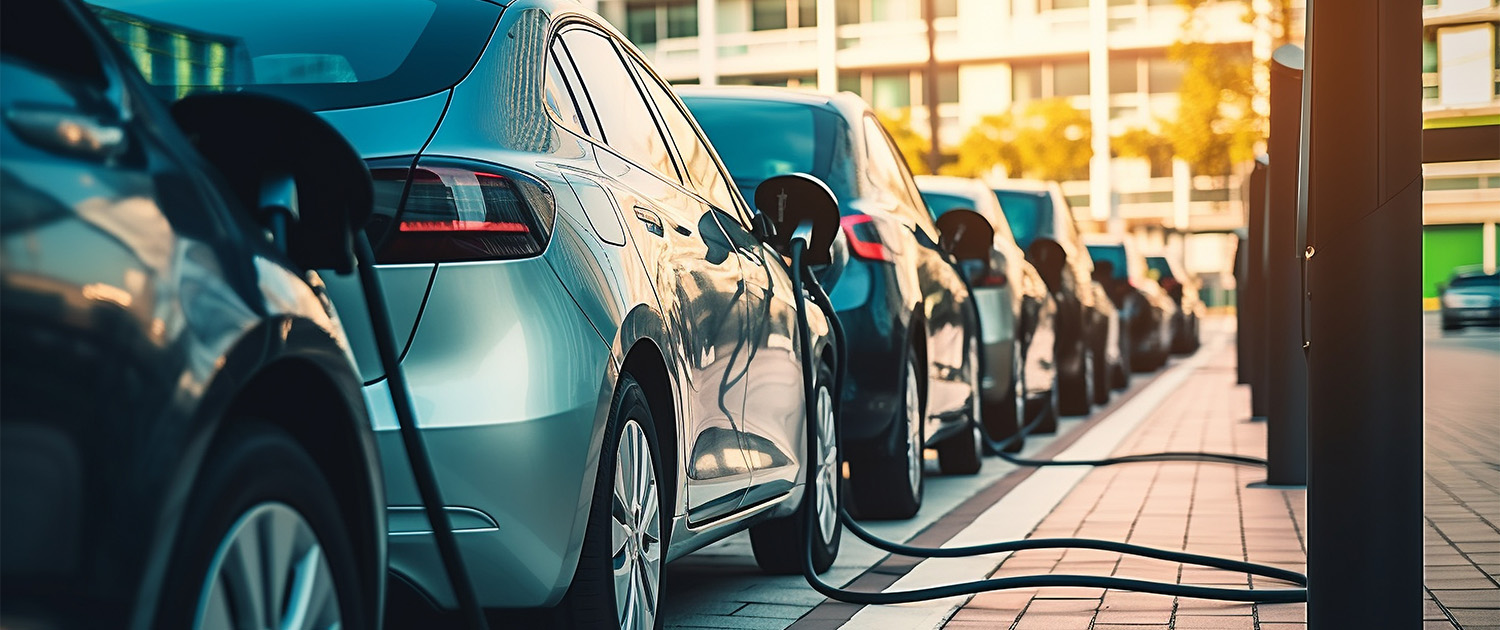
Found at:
<point>990,55</point>
<point>1460,88</point>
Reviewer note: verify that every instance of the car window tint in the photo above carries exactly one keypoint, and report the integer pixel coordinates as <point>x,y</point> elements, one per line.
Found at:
<point>625,119</point>
<point>560,97</point>
<point>568,69</point>
<point>703,171</point>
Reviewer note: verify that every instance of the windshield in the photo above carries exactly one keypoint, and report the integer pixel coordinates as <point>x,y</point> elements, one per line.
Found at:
<point>324,54</point>
<point>761,139</point>
<point>1026,212</point>
<point>1159,265</point>
<point>940,203</point>
<point>1476,282</point>
<point>1114,255</point>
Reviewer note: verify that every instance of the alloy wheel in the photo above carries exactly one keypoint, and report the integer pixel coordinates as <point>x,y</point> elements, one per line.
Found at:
<point>913,431</point>
<point>828,468</point>
<point>269,571</point>
<point>636,530</point>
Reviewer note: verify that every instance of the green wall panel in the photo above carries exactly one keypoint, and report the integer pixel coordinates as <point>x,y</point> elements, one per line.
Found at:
<point>1445,247</point>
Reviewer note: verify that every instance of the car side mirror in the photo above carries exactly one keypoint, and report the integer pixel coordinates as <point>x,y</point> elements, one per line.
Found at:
<point>798,205</point>
<point>294,171</point>
<point>968,236</point>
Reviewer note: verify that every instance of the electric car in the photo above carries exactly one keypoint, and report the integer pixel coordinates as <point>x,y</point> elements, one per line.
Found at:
<point>1184,291</point>
<point>913,377</point>
<point>1016,314</point>
<point>1147,313</point>
<point>183,435</point>
<point>1043,224</point>
<point>1471,298</point>
<point>598,342</point>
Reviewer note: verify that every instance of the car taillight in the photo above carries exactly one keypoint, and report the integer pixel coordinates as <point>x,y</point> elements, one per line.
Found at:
<point>864,238</point>
<point>450,211</point>
<point>994,278</point>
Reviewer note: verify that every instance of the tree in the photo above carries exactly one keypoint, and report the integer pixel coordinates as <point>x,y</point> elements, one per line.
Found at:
<point>1216,125</point>
<point>1139,142</point>
<point>913,145</point>
<point>1045,139</point>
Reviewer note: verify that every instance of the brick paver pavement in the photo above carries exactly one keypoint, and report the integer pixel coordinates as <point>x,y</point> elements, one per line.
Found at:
<point>1214,509</point>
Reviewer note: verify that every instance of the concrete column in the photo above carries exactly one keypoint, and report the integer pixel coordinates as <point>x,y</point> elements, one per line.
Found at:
<point>1362,189</point>
<point>1182,194</point>
<point>828,45</point>
<point>1286,370</point>
<point>1101,201</point>
<point>708,42</point>
<point>1487,236</point>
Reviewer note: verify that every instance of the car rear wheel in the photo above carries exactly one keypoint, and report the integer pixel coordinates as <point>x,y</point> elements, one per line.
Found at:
<point>885,477</point>
<point>1005,420</point>
<point>1074,376</point>
<point>1101,366</point>
<point>617,583</point>
<point>962,453</point>
<point>263,544</point>
<point>778,543</point>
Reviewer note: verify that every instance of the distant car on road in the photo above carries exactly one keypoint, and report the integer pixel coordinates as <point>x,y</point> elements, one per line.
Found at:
<point>1184,291</point>
<point>1471,298</point>
<point>913,378</point>
<point>183,443</point>
<point>1044,227</point>
<point>1016,314</point>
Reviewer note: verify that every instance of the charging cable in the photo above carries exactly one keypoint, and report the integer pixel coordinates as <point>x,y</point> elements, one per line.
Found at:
<point>805,284</point>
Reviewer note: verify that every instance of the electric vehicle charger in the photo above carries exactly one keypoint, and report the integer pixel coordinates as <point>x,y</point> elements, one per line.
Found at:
<point>805,283</point>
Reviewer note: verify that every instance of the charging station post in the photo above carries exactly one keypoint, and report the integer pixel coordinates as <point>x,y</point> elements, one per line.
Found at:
<point>1255,288</point>
<point>1286,369</point>
<point>1361,187</point>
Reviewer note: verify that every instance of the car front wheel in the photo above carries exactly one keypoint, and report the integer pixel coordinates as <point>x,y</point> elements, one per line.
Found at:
<point>778,543</point>
<point>885,476</point>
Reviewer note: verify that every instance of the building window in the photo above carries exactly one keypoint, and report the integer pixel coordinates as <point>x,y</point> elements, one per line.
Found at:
<point>847,11</point>
<point>1071,79</point>
<point>1163,76</point>
<point>640,24</point>
<point>851,83</point>
<point>1429,69</point>
<point>768,15</point>
<point>945,8</point>
<point>682,20</point>
<point>1123,76</point>
<point>890,90</point>
<point>807,13</point>
<point>1070,4</point>
<point>947,85</point>
<point>1025,82</point>
<point>894,10</point>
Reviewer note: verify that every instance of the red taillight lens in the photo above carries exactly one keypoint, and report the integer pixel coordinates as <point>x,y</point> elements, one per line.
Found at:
<point>864,238</point>
<point>995,278</point>
<point>451,211</point>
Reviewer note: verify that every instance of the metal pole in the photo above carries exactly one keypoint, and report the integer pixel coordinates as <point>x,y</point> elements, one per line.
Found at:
<point>929,88</point>
<point>1286,431</point>
<point>1242,358</point>
<point>1363,193</point>
<point>1255,290</point>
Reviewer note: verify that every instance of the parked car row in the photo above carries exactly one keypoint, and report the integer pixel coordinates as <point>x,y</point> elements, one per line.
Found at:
<point>597,327</point>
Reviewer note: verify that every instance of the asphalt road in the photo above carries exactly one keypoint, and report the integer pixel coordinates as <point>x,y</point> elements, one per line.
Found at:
<point>1462,474</point>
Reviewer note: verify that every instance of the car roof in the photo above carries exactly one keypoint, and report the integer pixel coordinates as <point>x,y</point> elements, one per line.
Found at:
<point>1023,185</point>
<point>847,104</point>
<point>953,185</point>
<point>1102,239</point>
<point>1470,271</point>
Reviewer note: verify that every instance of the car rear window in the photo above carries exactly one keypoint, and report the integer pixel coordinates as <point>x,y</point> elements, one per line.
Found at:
<point>1159,265</point>
<point>759,139</point>
<point>1026,212</point>
<point>939,203</point>
<point>1114,255</point>
<point>324,54</point>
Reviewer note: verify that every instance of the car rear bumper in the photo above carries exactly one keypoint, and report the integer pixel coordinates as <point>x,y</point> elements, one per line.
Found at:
<point>1471,316</point>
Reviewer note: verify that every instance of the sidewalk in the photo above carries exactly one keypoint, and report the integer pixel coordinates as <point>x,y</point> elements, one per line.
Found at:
<point>1204,508</point>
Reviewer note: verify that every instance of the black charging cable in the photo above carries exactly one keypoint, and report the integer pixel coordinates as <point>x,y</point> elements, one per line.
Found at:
<point>411,437</point>
<point>805,283</point>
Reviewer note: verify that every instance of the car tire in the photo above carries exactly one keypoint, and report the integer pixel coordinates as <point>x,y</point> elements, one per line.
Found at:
<point>259,485</point>
<point>885,477</point>
<point>1101,380</point>
<point>630,453</point>
<point>1004,421</point>
<point>779,543</point>
<point>1073,387</point>
<point>1044,410</point>
<point>963,452</point>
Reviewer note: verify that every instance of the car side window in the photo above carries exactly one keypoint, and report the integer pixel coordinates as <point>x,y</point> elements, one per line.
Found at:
<point>624,118</point>
<point>561,97</point>
<point>704,176</point>
<point>890,174</point>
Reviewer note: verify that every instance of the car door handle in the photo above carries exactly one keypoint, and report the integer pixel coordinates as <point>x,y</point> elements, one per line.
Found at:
<point>652,221</point>
<point>64,131</point>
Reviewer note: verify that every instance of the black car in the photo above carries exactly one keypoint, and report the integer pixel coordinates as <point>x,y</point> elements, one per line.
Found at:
<point>913,377</point>
<point>1186,336</point>
<point>1044,227</point>
<point>183,437</point>
<point>1148,316</point>
<point>1471,298</point>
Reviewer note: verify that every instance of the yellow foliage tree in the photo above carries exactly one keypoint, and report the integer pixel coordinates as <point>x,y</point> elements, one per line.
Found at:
<point>1044,139</point>
<point>914,146</point>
